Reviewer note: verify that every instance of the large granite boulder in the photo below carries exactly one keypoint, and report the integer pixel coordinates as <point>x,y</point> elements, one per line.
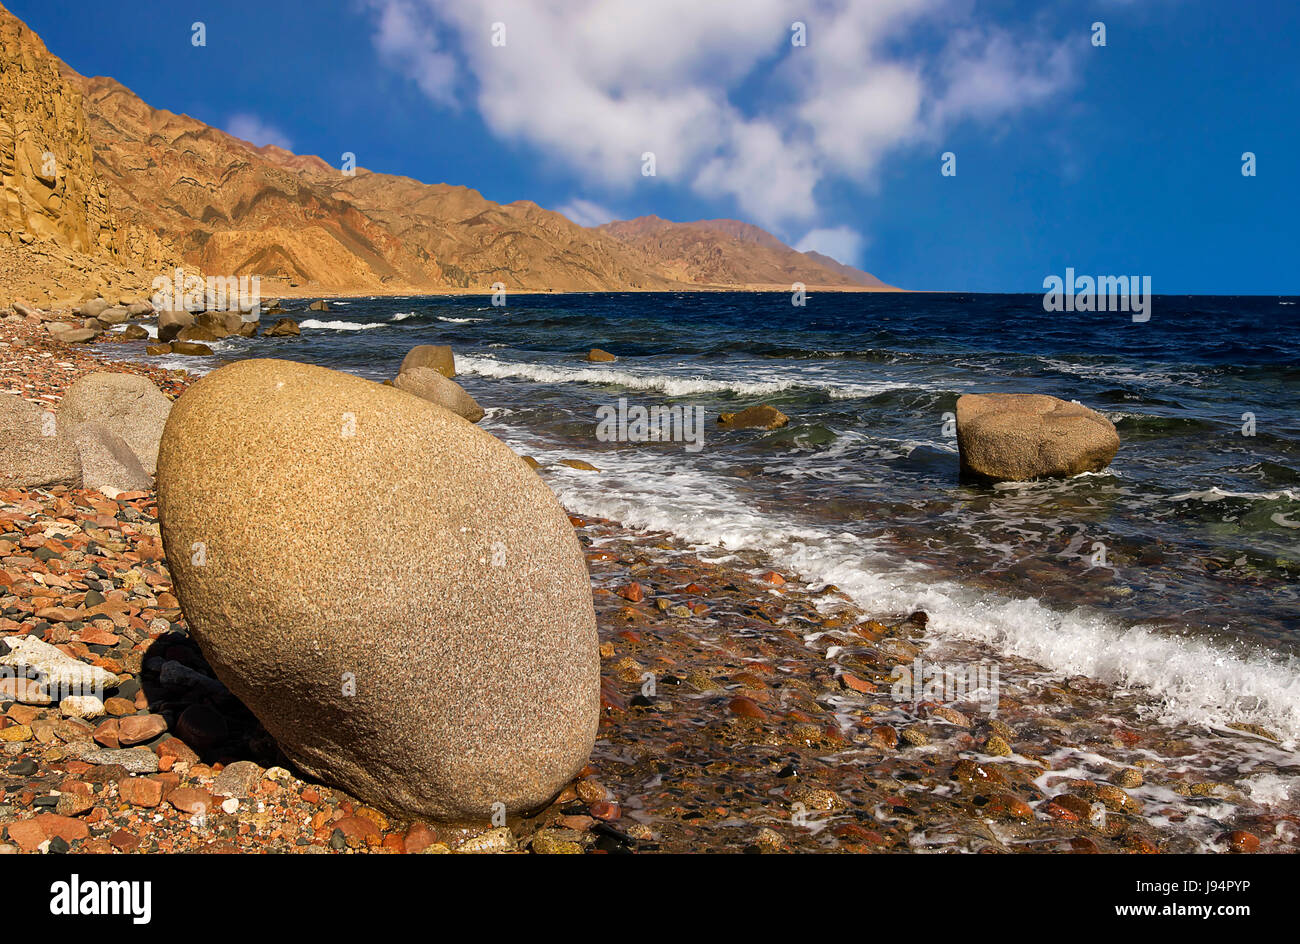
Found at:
<point>128,404</point>
<point>398,598</point>
<point>1016,437</point>
<point>437,356</point>
<point>35,449</point>
<point>427,383</point>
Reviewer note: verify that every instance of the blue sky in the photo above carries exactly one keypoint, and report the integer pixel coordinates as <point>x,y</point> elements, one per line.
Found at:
<point>1122,159</point>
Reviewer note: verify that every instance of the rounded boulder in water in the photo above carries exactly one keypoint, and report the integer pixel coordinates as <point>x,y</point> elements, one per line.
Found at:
<point>436,356</point>
<point>398,598</point>
<point>1015,437</point>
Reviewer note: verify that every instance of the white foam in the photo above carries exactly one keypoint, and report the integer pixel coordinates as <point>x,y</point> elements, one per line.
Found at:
<point>674,385</point>
<point>460,320</point>
<point>1214,493</point>
<point>341,325</point>
<point>1188,679</point>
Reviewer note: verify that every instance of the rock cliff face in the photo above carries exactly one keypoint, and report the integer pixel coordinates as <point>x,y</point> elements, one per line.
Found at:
<point>48,188</point>
<point>143,190</point>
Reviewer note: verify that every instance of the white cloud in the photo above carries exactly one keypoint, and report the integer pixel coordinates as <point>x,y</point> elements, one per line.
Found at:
<point>841,243</point>
<point>250,128</point>
<point>714,88</point>
<point>586,213</point>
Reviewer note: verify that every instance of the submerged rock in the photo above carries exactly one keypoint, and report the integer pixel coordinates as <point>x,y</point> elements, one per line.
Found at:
<point>762,416</point>
<point>428,644</point>
<point>1022,436</point>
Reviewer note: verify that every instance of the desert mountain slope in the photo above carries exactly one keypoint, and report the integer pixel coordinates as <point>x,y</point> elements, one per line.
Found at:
<point>149,190</point>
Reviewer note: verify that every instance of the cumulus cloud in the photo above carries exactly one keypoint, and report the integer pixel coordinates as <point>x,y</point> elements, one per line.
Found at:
<point>250,128</point>
<point>842,243</point>
<point>728,106</point>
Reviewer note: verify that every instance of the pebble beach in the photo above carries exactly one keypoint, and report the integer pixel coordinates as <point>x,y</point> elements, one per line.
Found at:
<point>742,709</point>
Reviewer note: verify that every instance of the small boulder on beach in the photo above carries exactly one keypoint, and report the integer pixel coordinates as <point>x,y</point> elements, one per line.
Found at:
<point>761,416</point>
<point>37,452</point>
<point>156,349</point>
<point>436,653</point>
<point>92,308</point>
<point>429,384</point>
<point>437,356</point>
<point>128,404</point>
<point>597,356</point>
<point>319,305</point>
<point>134,333</point>
<point>1016,437</point>
<point>191,348</point>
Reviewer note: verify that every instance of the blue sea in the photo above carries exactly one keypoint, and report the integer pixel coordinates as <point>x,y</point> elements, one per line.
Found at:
<point>1174,573</point>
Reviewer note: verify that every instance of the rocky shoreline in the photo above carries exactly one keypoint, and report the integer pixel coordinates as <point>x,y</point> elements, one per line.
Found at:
<point>742,710</point>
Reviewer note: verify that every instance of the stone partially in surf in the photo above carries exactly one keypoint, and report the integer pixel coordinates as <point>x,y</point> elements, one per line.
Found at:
<point>437,356</point>
<point>429,384</point>
<point>1017,437</point>
<point>284,328</point>
<point>597,356</point>
<point>425,638</point>
<point>762,416</point>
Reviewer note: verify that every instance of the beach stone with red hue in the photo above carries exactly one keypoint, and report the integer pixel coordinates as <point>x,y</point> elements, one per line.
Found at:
<point>140,791</point>
<point>123,840</point>
<point>117,707</point>
<point>746,708</point>
<point>65,827</point>
<point>135,729</point>
<point>27,833</point>
<point>1241,841</point>
<point>632,592</point>
<point>107,733</point>
<point>419,836</point>
<point>474,650</point>
<point>176,750</point>
<point>191,800</point>
<point>356,828</point>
